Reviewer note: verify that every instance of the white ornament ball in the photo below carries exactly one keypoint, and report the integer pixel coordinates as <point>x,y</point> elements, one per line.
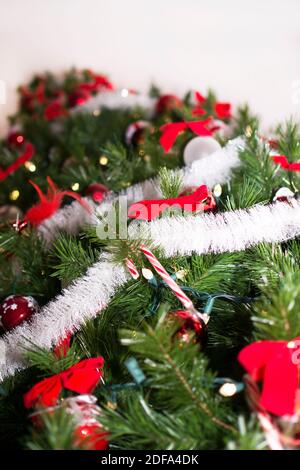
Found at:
<point>198,148</point>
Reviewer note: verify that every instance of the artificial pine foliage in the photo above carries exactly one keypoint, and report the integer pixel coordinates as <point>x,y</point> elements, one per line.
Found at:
<point>160,389</point>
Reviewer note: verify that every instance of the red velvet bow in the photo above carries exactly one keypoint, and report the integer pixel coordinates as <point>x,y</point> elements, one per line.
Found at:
<point>50,203</point>
<point>171,130</point>
<point>27,155</point>
<point>223,110</point>
<point>276,364</point>
<point>200,99</point>
<point>199,200</point>
<point>81,378</point>
<point>282,161</point>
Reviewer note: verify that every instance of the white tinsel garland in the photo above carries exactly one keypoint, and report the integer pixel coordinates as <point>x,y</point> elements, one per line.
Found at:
<point>229,231</point>
<point>210,170</point>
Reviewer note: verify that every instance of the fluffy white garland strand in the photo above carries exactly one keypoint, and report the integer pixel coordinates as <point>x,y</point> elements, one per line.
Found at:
<point>213,169</point>
<point>229,231</point>
<point>118,99</point>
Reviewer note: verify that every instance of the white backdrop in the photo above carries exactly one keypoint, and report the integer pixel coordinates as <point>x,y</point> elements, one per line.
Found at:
<point>246,51</point>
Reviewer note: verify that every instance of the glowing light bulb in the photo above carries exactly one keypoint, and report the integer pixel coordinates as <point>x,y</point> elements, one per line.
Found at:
<point>103,160</point>
<point>75,186</point>
<point>217,190</point>
<point>147,273</point>
<point>96,112</point>
<point>30,166</point>
<point>124,92</point>
<point>14,195</point>
<point>228,389</point>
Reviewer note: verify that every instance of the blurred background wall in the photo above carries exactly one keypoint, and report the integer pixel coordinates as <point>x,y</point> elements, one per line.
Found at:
<point>246,51</point>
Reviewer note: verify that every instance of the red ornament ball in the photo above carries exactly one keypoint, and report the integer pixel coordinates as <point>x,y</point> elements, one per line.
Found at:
<point>135,133</point>
<point>96,191</point>
<point>78,97</point>
<point>167,103</point>
<point>91,437</point>
<point>191,328</point>
<point>16,139</point>
<point>16,309</point>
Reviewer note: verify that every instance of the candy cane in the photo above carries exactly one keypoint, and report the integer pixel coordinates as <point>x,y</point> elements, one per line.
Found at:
<point>181,296</point>
<point>132,268</point>
<point>271,432</point>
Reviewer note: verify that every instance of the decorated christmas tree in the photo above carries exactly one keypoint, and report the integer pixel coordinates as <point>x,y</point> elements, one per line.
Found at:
<point>159,309</point>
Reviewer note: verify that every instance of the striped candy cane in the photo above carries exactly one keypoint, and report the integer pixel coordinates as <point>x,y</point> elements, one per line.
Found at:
<point>181,296</point>
<point>271,432</point>
<point>132,268</point>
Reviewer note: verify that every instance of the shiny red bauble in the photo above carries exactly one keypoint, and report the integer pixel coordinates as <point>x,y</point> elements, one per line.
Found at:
<point>96,191</point>
<point>90,437</point>
<point>16,309</point>
<point>16,139</point>
<point>167,103</point>
<point>191,329</point>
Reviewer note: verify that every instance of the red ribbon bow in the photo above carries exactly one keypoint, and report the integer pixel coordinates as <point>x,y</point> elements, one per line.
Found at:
<point>171,130</point>
<point>27,155</point>
<point>282,161</point>
<point>81,378</point>
<point>199,200</point>
<point>223,110</point>
<point>276,364</point>
<point>50,203</point>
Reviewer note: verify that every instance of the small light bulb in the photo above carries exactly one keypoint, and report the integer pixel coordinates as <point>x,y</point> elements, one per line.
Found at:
<point>291,345</point>
<point>147,273</point>
<point>217,190</point>
<point>96,112</point>
<point>30,167</point>
<point>20,139</point>
<point>103,160</point>
<point>124,92</point>
<point>181,274</point>
<point>14,195</point>
<point>75,186</point>
<point>248,131</point>
<point>228,389</point>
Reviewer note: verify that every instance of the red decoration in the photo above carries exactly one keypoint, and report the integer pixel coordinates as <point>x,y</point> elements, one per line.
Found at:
<point>54,110</point>
<point>223,110</point>
<point>81,378</point>
<point>96,191</point>
<point>199,200</point>
<point>135,132</point>
<point>16,139</point>
<point>192,328</point>
<point>198,110</point>
<point>62,346</point>
<point>16,309</point>
<point>171,130</point>
<point>79,97</point>
<point>283,162</point>
<point>276,365</point>
<point>26,155</point>
<point>167,103</point>
<point>50,203</point>
<point>91,437</point>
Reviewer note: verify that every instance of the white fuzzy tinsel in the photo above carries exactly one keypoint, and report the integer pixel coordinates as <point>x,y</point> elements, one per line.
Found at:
<point>229,231</point>
<point>213,169</point>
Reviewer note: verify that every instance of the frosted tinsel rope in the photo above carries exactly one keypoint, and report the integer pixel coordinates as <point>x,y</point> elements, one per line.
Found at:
<point>223,232</point>
<point>211,170</point>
